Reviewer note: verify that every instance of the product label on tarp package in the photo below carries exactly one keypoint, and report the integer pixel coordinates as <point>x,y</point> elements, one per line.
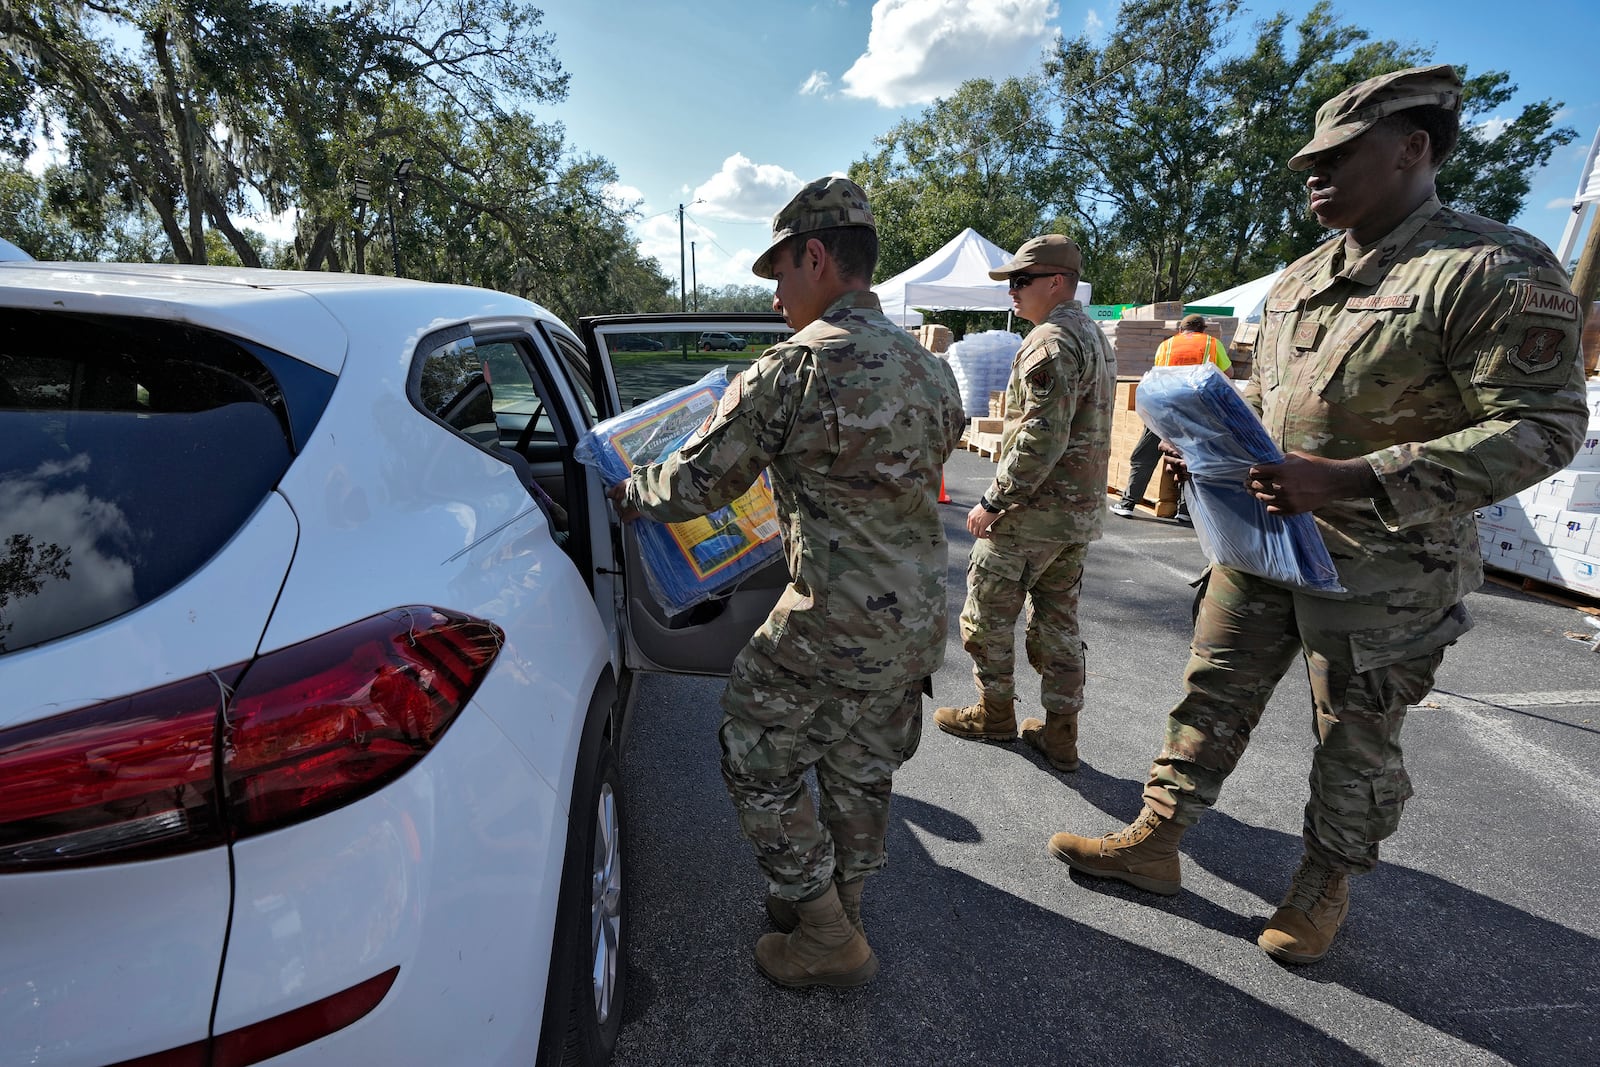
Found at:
<point>713,542</point>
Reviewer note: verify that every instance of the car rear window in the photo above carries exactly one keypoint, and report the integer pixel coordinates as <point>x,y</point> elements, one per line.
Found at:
<point>133,450</point>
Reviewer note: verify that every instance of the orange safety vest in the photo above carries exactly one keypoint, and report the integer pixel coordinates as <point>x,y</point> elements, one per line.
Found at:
<point>1189,349</point>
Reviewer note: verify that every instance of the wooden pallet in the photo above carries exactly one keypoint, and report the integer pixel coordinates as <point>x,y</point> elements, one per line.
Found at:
<point>986,445</point>
<point>1555,594</point>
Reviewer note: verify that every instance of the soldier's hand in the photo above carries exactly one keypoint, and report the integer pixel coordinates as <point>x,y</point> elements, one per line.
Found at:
<point>1173,456</point>
<point>979,519</point>
<point>619,497</point>
<point>1304,482</point>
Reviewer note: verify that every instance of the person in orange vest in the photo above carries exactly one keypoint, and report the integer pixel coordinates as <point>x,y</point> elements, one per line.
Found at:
<point>1189,347</point>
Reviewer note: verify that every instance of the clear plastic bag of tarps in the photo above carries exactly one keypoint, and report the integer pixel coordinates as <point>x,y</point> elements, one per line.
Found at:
<point>981,363</point>
<point>1199,410</point>
<point>685,562</point>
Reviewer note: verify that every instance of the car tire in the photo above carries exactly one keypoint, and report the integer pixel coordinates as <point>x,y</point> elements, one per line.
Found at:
<point>590,959</point>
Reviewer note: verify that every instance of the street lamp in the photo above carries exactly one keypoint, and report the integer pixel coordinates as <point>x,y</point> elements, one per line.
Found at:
<point>402,177</point>
<point>361,197</point>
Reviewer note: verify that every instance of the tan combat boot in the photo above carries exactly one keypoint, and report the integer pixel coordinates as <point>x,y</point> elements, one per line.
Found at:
<point>785,917</point>
<point>1144,853</point>
<point>824,949</point>
<point>1055,737</point>
<point>987,720</point>
<point>1302,929</point>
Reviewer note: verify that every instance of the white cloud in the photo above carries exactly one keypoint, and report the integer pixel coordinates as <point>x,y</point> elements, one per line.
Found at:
<point>623,197</point>
<point>743,191</point>
<point>49,151</point>
<point>816,83</point>
<point>710,266</point>
<point>921,49</point>
<point>1491,128</point>
<point>1094,27</point>
<point>273,227</point>
<point>1559,203</point>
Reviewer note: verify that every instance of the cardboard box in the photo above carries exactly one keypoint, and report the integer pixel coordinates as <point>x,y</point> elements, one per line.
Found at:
<point>1506,517</point>
<point>1575,531</point>
<point>1532,521</point>
<point>1168,309</point>
<point>1588,457</point>
<point>1529,559</point>
<point>1572,490</point>
<point>988,425</point>
<point>1580,572</point>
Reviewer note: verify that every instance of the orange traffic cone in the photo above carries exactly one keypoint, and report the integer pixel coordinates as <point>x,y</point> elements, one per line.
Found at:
<point>944,497</point>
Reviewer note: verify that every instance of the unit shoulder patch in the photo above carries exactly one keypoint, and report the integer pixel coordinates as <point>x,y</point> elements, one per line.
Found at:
<point>1538,351</point>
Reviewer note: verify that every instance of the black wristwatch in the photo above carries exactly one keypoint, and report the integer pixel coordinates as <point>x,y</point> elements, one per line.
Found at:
<point>983,502</point>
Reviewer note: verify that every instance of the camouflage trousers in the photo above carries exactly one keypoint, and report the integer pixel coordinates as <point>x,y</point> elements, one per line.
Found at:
<point>1366,663</point>
<point>1003,574</point>
<point>776,725</point>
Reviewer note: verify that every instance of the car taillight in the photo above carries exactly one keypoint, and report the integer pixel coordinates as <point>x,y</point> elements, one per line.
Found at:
<point>124,779</point>
<point>309,728</point>
<point>329,720</point>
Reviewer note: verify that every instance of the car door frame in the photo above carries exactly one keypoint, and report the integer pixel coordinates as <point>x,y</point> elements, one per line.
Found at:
<point>705,639</point>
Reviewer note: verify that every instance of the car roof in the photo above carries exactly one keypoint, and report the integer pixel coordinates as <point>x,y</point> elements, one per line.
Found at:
<point>309,315</point>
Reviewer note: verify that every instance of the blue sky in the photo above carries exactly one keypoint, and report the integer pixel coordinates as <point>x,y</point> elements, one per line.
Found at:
<point>736,103</point>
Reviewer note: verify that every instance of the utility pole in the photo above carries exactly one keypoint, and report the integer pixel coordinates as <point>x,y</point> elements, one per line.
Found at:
<point>683,274</point>
<point>694,277</point>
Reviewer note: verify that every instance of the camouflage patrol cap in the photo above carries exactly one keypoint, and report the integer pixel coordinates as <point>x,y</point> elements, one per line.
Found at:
<point>1051,250</point>
<point>1360,107</point>
<point>825,204</point>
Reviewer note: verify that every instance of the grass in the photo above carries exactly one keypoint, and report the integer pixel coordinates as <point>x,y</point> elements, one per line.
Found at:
<point>633,359</point>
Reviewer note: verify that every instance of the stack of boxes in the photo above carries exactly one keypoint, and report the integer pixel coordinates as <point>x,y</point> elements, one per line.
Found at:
<point>1126,429</point>
<point>1551,531</point>
<point>933,337</point>
<point>1136,336</point>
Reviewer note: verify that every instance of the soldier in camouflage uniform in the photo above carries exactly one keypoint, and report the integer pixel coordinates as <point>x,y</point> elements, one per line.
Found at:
<point>1046,503</point>
<point>1420,365</point>
<point>855,420</point>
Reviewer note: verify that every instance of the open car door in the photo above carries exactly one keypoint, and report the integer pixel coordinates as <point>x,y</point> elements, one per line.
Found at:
<point>635,358</point>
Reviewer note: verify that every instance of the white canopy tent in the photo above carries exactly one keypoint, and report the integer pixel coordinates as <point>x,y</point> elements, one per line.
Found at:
<point>1246,299</point>
<point>955,278</point>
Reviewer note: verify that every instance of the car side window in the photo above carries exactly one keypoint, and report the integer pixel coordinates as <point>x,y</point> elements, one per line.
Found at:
<point>452,388</point>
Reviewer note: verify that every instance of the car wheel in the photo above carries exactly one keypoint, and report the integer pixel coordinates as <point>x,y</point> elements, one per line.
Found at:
<point>592,923</point>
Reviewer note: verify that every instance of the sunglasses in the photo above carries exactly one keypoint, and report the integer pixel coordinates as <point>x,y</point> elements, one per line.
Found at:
<point>1022,281</point>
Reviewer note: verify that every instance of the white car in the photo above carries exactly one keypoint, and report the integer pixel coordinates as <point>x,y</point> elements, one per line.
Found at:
<point>316,646</point>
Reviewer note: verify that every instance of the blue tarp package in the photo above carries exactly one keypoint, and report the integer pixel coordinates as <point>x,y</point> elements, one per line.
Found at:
<point>1199,410</point>
<point>685,562</point>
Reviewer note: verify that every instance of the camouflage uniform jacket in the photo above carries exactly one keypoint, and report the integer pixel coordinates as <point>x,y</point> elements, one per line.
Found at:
<point>854,419</point>
<point>1056,442</point>
<point>1446,355</point>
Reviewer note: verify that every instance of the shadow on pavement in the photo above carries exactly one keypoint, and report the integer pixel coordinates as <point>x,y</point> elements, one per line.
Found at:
<point>971,973</point>
<point>1461,962</point>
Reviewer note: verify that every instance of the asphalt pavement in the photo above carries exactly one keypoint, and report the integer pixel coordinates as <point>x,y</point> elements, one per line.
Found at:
<point>1477,940</point>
